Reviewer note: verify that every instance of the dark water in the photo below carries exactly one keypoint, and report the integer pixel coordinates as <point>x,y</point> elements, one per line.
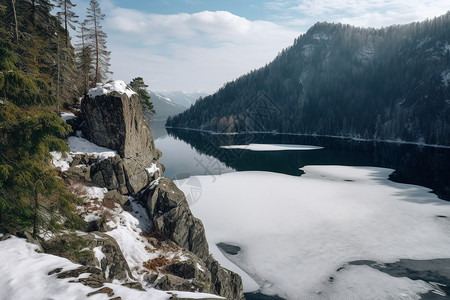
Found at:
<point>187,153</point>
<point>198,153</point>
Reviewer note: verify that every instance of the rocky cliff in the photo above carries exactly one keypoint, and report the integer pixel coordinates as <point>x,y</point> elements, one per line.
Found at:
<point>112,117</point>
<point>115,120</point>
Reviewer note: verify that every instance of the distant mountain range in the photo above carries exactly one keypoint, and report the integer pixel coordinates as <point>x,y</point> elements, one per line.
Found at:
<point>171,103</point>
<point>382,84</point>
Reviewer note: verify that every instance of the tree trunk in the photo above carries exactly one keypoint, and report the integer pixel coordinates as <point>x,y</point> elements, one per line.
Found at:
<point>36,196</point>
<point>16,26</point>
<point>65,24</point>
<point>96,50</point>
<point>33,11</point>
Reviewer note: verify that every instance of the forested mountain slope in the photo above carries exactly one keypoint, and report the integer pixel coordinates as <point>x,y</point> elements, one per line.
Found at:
<point>389,83</point>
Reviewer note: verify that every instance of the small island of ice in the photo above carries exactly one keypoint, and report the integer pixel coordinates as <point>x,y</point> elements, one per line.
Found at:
<point>272,147</point>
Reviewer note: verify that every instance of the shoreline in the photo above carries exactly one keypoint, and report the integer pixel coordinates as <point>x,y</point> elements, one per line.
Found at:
<point>400,142</point>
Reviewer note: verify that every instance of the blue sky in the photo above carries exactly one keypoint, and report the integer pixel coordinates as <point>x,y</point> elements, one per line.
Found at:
<point>199,45</point>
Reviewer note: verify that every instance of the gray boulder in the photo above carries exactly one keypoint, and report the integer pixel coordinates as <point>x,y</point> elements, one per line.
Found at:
<point>110,173</point>
<point>225,283</point>
<point>167,207</point>
<point>73,247</point>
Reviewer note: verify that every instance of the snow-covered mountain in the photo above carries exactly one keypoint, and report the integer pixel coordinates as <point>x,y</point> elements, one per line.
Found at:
<point>168,104</point>
<point>183,98</point>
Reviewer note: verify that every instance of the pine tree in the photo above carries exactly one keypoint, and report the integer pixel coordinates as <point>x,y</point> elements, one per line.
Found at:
<point>16,25</point>
<point>40,10</point>
<point>84,59</point>
<point>97,40</point>
<point>67,16</point>
<point>138,85</point>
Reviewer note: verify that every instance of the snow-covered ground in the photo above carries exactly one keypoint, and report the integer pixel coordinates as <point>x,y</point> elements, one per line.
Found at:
<point>25,276</point>
<point>25,272</point>
<point>272,147</point>
<point>297,232</point>
<point>80,145</point>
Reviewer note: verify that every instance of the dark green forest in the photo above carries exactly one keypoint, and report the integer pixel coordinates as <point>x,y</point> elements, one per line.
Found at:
<point>38,76</point>
<point>340,80</point>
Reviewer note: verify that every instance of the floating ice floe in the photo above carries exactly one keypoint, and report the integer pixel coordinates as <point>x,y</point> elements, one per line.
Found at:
<point>295,233</point>
<point>272,147</point>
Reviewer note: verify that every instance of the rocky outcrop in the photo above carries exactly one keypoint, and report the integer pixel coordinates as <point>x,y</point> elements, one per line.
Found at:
<point>116,121</point>
<point>169,210</point>
<point>167,207</point>
<point>225,283</point>
<point>93,249</point>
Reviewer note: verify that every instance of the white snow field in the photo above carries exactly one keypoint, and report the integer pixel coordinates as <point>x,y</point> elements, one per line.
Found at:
<point>25,272</point>
<point>296,232</point>
<point>272,147</point>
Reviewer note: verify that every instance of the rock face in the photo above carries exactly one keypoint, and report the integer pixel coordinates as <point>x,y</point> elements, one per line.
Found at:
<point>112,262</point>
<point>168,208</point>
<point>116,121</point>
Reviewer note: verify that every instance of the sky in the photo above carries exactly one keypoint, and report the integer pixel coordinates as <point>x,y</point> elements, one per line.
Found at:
<point>199,45</point>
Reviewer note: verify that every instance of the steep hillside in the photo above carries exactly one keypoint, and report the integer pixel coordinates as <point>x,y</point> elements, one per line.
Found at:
<point>185,99</point>
<point>390,83</point>
<point>164,106</point>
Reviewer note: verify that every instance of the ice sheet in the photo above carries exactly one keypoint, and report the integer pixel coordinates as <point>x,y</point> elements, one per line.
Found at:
<point>295,232</point>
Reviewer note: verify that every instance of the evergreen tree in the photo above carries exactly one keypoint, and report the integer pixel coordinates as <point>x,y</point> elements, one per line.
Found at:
<point>97,39</point>
<point>138,85</point>
<point>67,17</point>
<point>39,10</point>
<point>84,60</point>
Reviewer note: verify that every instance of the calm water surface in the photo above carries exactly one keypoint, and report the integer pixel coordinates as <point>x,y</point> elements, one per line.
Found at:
<point>188,153</point>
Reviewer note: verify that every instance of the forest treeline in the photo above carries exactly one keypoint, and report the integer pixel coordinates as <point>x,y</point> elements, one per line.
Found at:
<point>41,72</point>
<point>382,84</point>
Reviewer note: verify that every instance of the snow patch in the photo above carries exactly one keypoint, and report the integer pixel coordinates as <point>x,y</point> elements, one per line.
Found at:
<point>446,77</point>
<point>60,162</point>
<point>321,36</point>
<point>67,116</point>
<point>25,276</point>
<point>271,147</point>
<point>200,267</point>
<point>99,255</point>
<point>152,170</point>
<point>115,86</point>
<point>300,231</point>
<point>446,48</point>
<point>308,50</point>
<point>79,145</point>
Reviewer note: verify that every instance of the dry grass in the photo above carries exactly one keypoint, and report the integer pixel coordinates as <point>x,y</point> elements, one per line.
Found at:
<point>156,264</point>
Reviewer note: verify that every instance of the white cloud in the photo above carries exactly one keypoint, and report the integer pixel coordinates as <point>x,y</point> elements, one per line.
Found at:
<point>190,51</point>
<point>204,50</point>
<point>371,13</point>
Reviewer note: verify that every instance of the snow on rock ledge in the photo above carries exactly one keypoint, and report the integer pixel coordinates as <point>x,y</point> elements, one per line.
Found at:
<point>115,86</point>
